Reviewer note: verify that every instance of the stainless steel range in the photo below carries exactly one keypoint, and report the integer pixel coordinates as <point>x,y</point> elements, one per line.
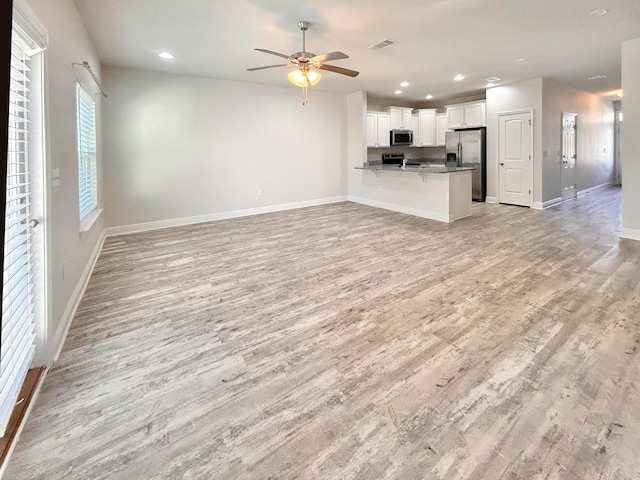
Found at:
<point>392,158</point>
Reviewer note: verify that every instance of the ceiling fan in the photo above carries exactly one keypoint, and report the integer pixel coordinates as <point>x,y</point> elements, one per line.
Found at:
<point>307,62</point>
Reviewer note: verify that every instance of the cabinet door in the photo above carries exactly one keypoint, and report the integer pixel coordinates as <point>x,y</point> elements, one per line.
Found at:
<point>442,124</point>
<point>383,128</point>
<point>400,118</point>
<point>427,124</point>
<point>406,119</point>
<point>416,130</point>
<point>372,129</point>
<point>456,116</point>
<point>474,115</point>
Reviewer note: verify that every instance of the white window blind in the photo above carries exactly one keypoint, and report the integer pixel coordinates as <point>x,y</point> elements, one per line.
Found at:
<point>18,337</point>
<point>87,174</point>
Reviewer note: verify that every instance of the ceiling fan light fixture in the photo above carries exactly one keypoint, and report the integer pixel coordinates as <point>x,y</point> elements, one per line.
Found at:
<point>302,78</point>
<point>313,76</point>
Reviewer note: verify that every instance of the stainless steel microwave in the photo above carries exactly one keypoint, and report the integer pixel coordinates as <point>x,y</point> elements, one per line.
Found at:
<point>401,137</point>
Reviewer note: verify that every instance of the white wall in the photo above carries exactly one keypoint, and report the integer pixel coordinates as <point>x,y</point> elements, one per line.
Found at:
<point>68,44</point>
<point>181,148</point>
<point>548,99</point>
<point>630,139</point>
<point>594,138</point>
<point>520,96</point>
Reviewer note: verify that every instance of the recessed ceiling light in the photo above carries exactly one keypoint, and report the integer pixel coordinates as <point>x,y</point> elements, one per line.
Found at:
<point>596,77</point>
<point>404,84</point>
<point>398,92</point>
<point>520,59</point>
<point>598,12</point>
<point>166,55</point>
<point>458,77</point>
<point>429,97</point>
<point>492,79</point>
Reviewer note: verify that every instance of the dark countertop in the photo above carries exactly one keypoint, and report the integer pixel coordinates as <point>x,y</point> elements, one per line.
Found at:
<point>422,168</point>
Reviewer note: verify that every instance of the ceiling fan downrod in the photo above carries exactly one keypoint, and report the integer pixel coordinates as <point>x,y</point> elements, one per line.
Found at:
<point>304,26</point>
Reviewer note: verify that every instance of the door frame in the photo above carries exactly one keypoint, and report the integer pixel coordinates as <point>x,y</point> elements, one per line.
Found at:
<point>507,113</point>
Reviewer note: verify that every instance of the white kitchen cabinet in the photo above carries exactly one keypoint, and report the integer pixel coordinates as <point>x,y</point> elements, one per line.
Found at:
<point>426,128</point>
<point>442,126</point>
<point>378,127</point>
<point>467,115</point>
<point>400,117</point>
<point>415,129</point>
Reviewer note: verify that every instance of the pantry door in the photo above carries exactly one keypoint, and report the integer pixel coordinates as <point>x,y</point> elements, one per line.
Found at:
<point>515,158</point>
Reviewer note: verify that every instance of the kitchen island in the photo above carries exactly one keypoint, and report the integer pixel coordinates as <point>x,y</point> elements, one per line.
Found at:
<point>439,192</point>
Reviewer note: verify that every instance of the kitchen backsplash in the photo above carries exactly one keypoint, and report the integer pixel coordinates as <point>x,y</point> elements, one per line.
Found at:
<point>375,154</point>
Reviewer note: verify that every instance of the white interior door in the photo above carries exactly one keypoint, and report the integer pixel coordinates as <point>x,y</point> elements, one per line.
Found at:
<point>569,187</point>
<point>514,158</point>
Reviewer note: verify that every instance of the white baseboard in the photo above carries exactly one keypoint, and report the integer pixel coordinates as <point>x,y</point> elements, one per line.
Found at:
<point>630,233</point>
<point>547,204</point>
<point>441,217</point>
<point>61,332</point>
<point>557,200</point>
<point>596,188</point>
<point>178,222</point>
<point>491,200</point>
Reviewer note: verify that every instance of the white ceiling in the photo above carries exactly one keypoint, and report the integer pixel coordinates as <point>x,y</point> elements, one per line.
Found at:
<point>435,40</point>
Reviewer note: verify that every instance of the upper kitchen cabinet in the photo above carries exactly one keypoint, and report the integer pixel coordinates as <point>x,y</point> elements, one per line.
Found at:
<point>400,117</point>
<point>415,129</point>
<point>442,126</point>
<point>467,115</point>
<point>426,128</point>
<point>378,127</point>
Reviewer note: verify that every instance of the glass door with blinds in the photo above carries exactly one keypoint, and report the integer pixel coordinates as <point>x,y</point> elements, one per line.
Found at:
<point>23,267</point>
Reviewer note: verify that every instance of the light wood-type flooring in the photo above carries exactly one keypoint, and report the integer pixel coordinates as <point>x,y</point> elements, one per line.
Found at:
<point>348,342</point>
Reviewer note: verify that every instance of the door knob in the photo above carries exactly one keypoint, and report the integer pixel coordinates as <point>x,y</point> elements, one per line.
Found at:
<point>501,163</point>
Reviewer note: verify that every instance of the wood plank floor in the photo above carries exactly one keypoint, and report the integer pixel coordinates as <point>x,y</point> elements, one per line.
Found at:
<point>348,342</point>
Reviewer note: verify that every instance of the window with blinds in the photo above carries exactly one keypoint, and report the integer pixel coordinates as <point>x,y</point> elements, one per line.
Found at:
<point>87,174</point>
<point>18,321</point>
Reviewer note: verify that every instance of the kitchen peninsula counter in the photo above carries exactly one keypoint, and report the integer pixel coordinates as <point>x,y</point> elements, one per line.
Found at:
<point>428,190</point>
<point>422,169</point>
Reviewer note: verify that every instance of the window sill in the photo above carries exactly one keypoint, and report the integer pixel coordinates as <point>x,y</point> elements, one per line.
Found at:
<point>87,222</point>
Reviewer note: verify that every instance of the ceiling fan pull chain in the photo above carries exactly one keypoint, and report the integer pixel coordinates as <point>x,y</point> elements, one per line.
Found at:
<point>304,94</point>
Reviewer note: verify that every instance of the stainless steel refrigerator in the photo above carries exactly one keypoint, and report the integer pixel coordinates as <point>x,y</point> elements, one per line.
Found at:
<point>467,148</point>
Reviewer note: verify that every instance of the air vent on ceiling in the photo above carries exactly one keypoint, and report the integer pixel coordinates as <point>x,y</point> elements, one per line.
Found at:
<point>382,44</point>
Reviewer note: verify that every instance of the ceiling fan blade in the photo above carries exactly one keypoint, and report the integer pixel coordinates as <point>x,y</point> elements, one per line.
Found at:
<point>326,57</point>
<point>343,71</point>
<point>268,66</point>
<point>273,53</point>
